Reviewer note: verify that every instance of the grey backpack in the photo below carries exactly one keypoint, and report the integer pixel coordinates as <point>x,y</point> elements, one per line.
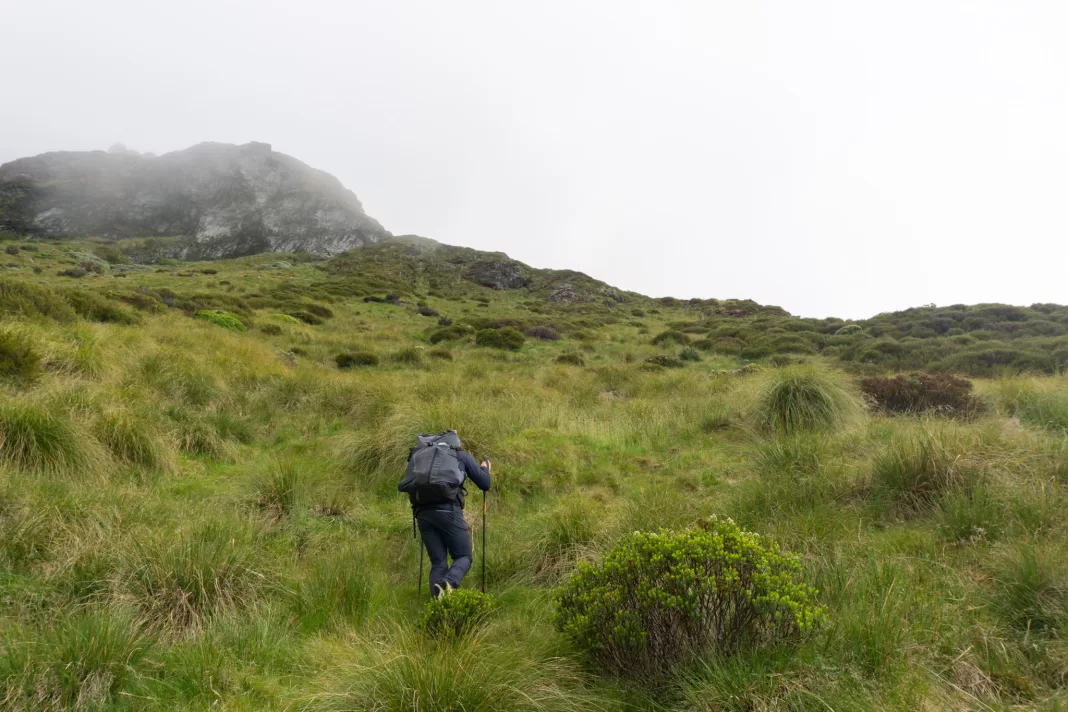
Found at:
<point>434,475</point>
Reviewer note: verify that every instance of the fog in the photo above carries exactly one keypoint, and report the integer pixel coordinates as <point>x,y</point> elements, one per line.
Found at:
<point>834,158</point>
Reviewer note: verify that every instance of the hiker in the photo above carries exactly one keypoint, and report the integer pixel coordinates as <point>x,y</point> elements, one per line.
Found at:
<point>434,481</point>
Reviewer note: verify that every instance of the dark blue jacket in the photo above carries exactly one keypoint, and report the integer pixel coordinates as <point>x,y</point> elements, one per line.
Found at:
<point>476,474</point>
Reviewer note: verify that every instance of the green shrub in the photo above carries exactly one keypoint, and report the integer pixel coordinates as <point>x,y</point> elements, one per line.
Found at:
<point>12,249</point>
<point>323,312</point>
<point>271,329</point>
<point>440,354</point>
<point>690,354</point>
<point>181,583</point>
<point>285,319</point>
<point>456,614</point>
<point>221,318</point>
<point>800,398</point>
<point>542,333</point>
<point>94,307</point>
<point>37,440</point>
<point>671,337</point>
<point>571,358</point>
<point>921,392</point>
<point>660,600</point>
<point>664,361</point>
<point>356,358</point>
<point>505,338</point>
<point>72,272</point>
<point>19,362</point>
<point>849,330</point>
<point>33,301</point>
<point>454,332</point>
<point>306,317</point>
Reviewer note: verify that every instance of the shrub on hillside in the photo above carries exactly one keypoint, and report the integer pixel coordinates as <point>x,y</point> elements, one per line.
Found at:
<point>660,600</point>
<point>440,354</point>
<point>93,306</point>
<point>542,333</point>
<point>800,398</point>
<point>307,317</point>
<point>271,329</point>
<point>410,355</point>
<point>849,330</point>
<point>671,337</point>
<point>12,249</point>
<point>427,311</point>
<point>692,355</point>
<point>506,338</point>
<point>72,272</point>
<point>919,392</point>
<point>221,318</point>
<point>444,321</point>
<point>355,358</point>
<point>19,362</point>
<point>33,301</point>
<point>451,333</point>
<point>319,310</point>
<point>456,614</point>
<point>664,362</point>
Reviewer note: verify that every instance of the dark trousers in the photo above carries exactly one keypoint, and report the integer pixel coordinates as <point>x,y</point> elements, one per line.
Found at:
<point>445,533</point>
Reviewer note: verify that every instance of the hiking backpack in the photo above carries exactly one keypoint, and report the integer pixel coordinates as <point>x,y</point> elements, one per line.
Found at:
<point>434,474</point>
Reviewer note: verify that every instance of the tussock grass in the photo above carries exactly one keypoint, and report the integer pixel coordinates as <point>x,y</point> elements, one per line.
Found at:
<point>283,490</point>
<point>34,439</point>
<point>917,468</point>
<point>408,673</point>
<point>180,583</point>
<point>336,589</point>
<point>135,441</point>
<point>1032,589</point>
<point>1040,403</point>
<point>803,398</point>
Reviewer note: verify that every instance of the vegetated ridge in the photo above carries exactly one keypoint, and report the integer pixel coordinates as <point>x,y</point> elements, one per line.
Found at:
<point>225,200</point>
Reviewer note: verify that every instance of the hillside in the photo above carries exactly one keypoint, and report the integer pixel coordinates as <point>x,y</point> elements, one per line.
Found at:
<point>198,466</point>
<point>224,200</point>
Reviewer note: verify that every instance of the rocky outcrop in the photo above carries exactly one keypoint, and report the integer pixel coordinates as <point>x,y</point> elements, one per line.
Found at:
<point>225,200</point>
<point>498,274</point>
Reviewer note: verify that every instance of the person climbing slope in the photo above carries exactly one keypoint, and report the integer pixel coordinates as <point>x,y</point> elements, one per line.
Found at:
<point>434,481</point>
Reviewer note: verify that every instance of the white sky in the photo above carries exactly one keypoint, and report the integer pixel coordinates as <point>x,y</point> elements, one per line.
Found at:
<point>834,158</point>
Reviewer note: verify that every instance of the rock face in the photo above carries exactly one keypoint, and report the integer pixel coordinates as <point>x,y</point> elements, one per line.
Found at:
<point>498,274</point>
<point>225,200</point>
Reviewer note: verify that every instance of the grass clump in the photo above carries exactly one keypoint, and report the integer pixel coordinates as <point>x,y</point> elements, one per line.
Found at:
<point>36,440</point>
<point>690,354</point>
<point>181,583</point>
<point>440,354</point>
<point>542,333</point>
<point>283,491</point>
<point>134,441</point>
<point>664,361</point>
<point>19,361</point>
<point>571,358</point>
<point>803,398</point>
<point>33,301</point>
<point>222,318</point>
<point>335,589</point>
<point>355,358</point>
<point>660,600</point>
<point>1032,590</point>
<point>666,338</point>
<point>411,356</point>
<point>505,338</point>
<point>94,307</point>
<point>1040,404</point>
<point>307,317</point>
<point>918,468</point>
<point>456,614</point>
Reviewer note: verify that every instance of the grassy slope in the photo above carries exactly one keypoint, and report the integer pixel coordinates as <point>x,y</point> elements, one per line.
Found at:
<point>207,519</point>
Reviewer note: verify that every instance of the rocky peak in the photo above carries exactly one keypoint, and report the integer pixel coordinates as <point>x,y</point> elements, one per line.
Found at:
<point>224,200</point>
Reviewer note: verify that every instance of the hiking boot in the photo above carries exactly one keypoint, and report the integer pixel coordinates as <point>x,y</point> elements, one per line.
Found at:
<point>437,590</point>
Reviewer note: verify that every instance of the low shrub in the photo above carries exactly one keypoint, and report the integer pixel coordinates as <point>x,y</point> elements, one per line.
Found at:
<point>271,329</point>
<point>690,354</point>
<point>33,301</point>
<point>356,358</point>
<point>506,338</point>
<point>19,361</point>
<point>849,330</point>
<point>319,310</point>
<point>571,358</point>
<point>72,272</point>
<point>427,311</point>
<point>542,333</point>
<point>221,318</point>
<point>444,321</point>
<point>95,307</point>
<point>664,361</point>
<point>306,317</point>
<point>660,600</point>
<point>440,354</point>
<point>456,614</point>
<point>451,333</point>
<point>12,249</point>
<point>921,392</point>
<point>671,337</point>
<point>800,398</point>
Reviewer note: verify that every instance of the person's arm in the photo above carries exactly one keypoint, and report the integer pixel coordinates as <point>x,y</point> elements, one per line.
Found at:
<point>479,475</point>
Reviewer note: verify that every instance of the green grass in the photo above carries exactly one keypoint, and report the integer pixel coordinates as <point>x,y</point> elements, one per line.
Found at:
<point>196,518</point>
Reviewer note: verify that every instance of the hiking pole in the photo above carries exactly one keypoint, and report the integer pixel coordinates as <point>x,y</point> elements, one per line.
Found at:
<point>420,583</point>
<point>483,541</point>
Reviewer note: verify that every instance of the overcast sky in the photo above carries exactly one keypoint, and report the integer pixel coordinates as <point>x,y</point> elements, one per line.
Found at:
<point>835,158</point>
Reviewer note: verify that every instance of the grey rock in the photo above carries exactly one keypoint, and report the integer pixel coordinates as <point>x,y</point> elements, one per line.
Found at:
<point>224,200</point>
<point>498,274</point>
<point>564,293</point>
